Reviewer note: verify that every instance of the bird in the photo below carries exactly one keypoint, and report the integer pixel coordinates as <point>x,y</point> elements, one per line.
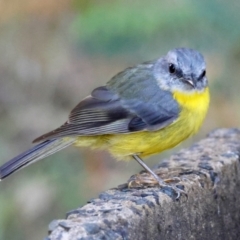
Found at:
<point>143,110</point>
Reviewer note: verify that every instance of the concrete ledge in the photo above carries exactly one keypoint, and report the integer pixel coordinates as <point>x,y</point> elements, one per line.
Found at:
<point>209,173</point>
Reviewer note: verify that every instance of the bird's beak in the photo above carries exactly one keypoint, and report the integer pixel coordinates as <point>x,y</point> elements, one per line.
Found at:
<point>188,79</point>
<point>190,82</point>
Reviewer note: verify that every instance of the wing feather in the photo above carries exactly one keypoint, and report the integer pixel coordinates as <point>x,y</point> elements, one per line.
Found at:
<point>131,101</point>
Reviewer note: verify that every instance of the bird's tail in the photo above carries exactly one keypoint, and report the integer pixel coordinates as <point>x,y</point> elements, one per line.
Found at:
<point>34,154</point>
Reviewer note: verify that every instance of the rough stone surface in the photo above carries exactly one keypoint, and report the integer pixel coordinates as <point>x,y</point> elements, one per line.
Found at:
<point>209,173</point>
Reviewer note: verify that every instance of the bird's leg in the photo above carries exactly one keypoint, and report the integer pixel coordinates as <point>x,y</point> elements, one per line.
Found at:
<point>144,165</point>
<point>160,181</point>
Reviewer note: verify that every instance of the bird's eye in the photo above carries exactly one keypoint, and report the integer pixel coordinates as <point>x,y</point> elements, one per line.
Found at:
<point>172,68</point>
<point>203,74</point>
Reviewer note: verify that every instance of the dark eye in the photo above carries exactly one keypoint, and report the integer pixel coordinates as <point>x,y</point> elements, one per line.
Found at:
<point>171,68</point>
<point>203,74</point>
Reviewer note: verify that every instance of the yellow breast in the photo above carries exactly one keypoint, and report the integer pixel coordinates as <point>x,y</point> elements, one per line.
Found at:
<point>193,107</point>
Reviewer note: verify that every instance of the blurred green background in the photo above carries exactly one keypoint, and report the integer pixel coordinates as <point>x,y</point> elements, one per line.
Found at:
<point>53,53</point>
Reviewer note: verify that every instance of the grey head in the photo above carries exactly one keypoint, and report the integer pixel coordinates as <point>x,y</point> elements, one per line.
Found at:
<point>182,69</point>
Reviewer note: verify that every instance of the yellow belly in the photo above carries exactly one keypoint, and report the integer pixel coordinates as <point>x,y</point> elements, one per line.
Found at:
<point>194,108</point>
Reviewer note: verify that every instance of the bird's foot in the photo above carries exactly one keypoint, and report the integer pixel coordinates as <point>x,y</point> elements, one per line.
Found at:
<point>145,180</point>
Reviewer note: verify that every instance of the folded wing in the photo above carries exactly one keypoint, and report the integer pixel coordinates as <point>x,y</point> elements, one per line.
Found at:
<point>118,108</point>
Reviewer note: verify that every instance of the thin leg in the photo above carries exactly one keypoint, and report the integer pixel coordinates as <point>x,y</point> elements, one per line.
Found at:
<point>159,180</point>
<point>142,163</point>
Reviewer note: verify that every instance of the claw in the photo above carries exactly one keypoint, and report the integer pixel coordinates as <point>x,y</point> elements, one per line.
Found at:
<point>177,190</point>
<point>147,180</point>
<point>142,180</point>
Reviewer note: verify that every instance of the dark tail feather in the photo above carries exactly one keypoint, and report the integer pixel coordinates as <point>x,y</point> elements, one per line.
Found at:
<point>34,154</point>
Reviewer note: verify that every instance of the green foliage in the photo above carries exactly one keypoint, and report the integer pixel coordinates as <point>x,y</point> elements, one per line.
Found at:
<point>117,27</point>
<point>124,28</point>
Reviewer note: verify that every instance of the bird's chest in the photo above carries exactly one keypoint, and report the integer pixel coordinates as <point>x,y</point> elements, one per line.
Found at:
<point>194,107</point>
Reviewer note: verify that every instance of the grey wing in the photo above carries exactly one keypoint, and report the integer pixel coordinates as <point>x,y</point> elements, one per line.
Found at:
<point>99,113</point>
<point>139,92</point>
<point>107,111</point>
